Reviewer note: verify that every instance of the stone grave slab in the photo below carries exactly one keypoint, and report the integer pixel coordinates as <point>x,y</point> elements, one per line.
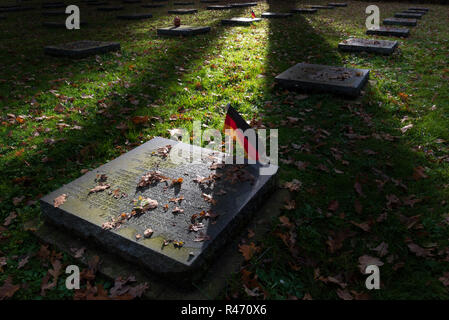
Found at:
<point>400,22</point>
<point>152,5</point>
<point>418,13</point>
<point>408,15</point>
<point>243,4</point>
<point>183,11</point>
<point>368,45</point>
<point>184,3</point>
<point>80,49</point>
<point>276,15</point>
<point>321,7</point>
<point>218,7</point>
<point>191,220</point>
<point>98,3</point>
<point>111,8</point>
<point>322,78</point>
<point>419,9</point>
<point>61,25</point>
<point>304,10</point>
<point>337,4</point>
<point>240,21</point>
<point>135,16</point>
<point>53,13</point>
<point>389,31</point>
<point>182,31</point>
<point>209,1</point>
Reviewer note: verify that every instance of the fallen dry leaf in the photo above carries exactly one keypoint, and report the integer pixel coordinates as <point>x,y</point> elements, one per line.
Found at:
<point>8,289</point>
<point>59,200</point>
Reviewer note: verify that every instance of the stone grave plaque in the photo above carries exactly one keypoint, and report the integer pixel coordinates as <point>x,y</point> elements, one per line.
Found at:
<point>183,11</point>
<point>321,78</point>
<point>243,4</point>
<point>166,216</point>
<point>240,21</point>
<point>54,5</point>
<point>389,31</point>
<point>368,45</point>
<point>418,13</point>
<point>53,13</point>
<point>276,15</point>
<point>304,10</point>
<point>111,8</point>
<point>321,7</point>
<point>183,3</point>
<point>400,22</point>
<point>419,9</point>
<point>61,25</point>
<point>337,4</point>
<point>79,49</point>
<point>98,3</point>
<point>135,16</point>
<point>209,1</point>
<point>218,7</point>
<point>408,15</point>
<point>152,5</point>
<point>182,31</point>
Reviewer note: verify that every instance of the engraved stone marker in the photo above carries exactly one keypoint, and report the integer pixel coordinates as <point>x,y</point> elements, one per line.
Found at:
<point>337,4</point>
<point>218,7</point>
<point>167,217</point>
<point>321,7</point>
<point>276,15</point>
<point>183,11</point>
<point>79,49</point>
<point>368,45</point>
<point>243,4</point>
<point>321,78</point>
<point>388,31</point>
<point>182,30</point>
<point>408,15</point>
<point>240,21</point>
<point>400,22</point>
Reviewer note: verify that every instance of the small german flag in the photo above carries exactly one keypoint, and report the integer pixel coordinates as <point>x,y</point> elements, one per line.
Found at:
<point>253,15</point>
<point>233,122</point>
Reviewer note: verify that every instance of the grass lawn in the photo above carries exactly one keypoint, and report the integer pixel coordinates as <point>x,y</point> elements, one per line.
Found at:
<point>368,188</point>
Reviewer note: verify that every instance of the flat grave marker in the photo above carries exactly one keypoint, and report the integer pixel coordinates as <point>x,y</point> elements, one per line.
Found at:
<point>111,8</point>
<point>389,31</point>
<point>219,7</point>
<point>243,4</point>
<point>400,22</point>
<point>322,78</point>
<point>419,9</point>
<point>321,7</point>
<point>240,21</point>
<point>408,15</point>
<point>276,15</point>
<point>183,3</point>
<point>182,11</point>
<point>135,16</point>
<point>152,5</point>
<point>209,1</point>
<point>80,49</point>
<point>418,13</point>
<point>368,45</point>
<point>150,218</point>
<point>337,4</point>
<point>182,30</point>
<point>304,10</point>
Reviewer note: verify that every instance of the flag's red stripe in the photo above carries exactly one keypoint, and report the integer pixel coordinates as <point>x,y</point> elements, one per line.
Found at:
<point>248,147</point>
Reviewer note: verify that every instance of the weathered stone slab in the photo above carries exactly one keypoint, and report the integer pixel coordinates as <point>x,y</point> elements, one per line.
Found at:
<point>337,4</point>
<point>181,241</point>
<point>183,3</point>
<point>111,8</point>
<point>388,31</point>
<point>53,13</point>
<point>408,15</point>
<point>276,15</point>
<point>322,78</point>
<point>60,25</point>
<point>304,10</point>
<point>418,13</point>
<point>79,49</point>
<point>183,11</point>
<point>243,4</point>
<point>182,31</point>
<point>419,9</point>
<point>368,45</point>
<point>400,22</point>
<point>209,1</point>
<point>240,21</point>
<point>152,5</point>
<point>135,16</point>
<point>219,7</point>
<point>321,7</point>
